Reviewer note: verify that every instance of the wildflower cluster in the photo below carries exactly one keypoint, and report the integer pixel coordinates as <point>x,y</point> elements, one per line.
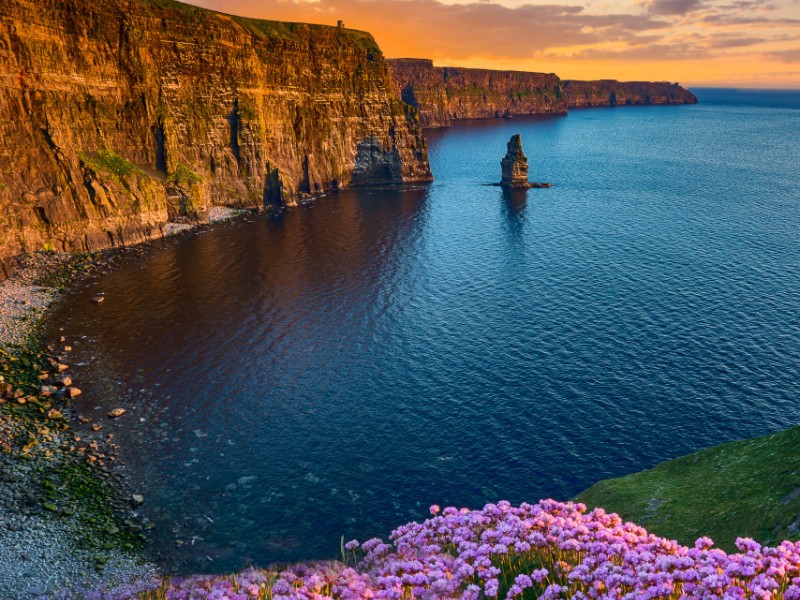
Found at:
<point>547,550</point>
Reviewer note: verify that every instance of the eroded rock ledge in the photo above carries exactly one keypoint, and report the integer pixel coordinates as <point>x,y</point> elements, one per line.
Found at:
<point>116,118</point>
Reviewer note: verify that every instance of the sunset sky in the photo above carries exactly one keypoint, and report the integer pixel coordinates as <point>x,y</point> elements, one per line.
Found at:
<point>737,43</point>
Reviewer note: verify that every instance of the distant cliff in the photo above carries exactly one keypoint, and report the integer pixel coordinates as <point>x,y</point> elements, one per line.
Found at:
<point>117,117</point>
<point>607,92</point>
<point>445,94</point>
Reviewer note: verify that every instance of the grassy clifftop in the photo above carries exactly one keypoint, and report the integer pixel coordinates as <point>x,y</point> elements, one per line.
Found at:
<point>741,489</point>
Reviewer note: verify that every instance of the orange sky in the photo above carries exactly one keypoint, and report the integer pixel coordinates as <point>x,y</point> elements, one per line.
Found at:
<point>736,43</point>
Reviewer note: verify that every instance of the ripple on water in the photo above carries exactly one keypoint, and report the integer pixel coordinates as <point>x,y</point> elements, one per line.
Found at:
<point>335,370</point>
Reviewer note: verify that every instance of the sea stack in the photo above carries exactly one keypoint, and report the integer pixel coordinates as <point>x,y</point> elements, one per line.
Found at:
<point>515,165</point>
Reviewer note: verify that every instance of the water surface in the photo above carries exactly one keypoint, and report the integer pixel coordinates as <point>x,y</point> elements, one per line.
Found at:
<point>336,369</point>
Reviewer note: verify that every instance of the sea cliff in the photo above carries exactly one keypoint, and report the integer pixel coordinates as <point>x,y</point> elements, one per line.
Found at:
<point>117,118</point>
<point>609,92</point>
<point>446,94</point>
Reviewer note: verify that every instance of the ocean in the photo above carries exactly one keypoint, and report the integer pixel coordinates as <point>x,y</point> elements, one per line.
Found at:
<point>334,370</point>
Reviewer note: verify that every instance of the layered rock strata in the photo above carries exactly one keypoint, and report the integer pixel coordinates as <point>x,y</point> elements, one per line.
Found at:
<point>608,92</point>
<point>446,94</point>
<point>117,117</point>
<point>514,165</point>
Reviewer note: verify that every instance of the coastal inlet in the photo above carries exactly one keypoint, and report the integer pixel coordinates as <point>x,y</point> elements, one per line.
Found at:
<point>336,369</point>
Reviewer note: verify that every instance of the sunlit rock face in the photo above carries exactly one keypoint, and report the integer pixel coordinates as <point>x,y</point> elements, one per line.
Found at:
<point>515,165</point>
<point>445,94</point>
<point>118,117</point>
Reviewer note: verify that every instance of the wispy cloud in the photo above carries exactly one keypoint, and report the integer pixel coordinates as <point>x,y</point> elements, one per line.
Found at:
<point>785,56</point>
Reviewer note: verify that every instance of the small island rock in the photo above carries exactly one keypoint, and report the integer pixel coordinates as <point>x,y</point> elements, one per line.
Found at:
<point>515,165</point>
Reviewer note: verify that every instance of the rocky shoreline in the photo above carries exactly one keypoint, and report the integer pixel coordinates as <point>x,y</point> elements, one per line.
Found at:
<point>68,527</point>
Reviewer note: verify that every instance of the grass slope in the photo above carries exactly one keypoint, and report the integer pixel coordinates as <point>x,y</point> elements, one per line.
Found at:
<point>741,489</point>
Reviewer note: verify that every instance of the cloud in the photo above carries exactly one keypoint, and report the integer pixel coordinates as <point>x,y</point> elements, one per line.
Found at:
<point>785,56</point>
<point>732,41</point>
<point>725,19</point>
<point>674,7</point>
<point>434,29</point>
<point>485,32</point>
<point>644,54</point>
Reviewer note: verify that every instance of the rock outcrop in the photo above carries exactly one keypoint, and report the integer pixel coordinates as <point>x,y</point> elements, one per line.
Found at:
<point>514,168</point>
<point>117,117</point>
<point>446,94</point>
<point>515,165</point>
<point>608,92</point>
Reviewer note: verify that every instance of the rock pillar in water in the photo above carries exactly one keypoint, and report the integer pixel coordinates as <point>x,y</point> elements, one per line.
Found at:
<point>515,165</point>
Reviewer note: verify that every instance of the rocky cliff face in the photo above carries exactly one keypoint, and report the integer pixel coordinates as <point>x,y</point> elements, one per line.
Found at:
<point>117,117</point>
<point>607,92</point>
<point>444,94</point>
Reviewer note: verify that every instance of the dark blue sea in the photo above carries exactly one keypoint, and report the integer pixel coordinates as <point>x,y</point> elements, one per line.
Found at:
<point>334,370</point>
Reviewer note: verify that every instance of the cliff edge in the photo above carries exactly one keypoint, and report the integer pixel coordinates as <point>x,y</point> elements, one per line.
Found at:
<point>117,117</point>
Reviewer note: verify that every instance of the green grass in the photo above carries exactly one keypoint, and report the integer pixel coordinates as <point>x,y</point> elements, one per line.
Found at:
<point>741,489</point>
<point>288,31</point>
<point>268,29</point>
<point>110,162</point>
<point>177,6</point>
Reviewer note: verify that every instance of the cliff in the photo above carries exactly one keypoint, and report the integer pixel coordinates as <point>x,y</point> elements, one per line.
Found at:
<point>117,117</point>
<point>608,92</point>
<point>444,94</point>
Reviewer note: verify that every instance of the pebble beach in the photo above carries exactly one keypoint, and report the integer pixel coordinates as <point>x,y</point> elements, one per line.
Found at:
<point>45,549</point>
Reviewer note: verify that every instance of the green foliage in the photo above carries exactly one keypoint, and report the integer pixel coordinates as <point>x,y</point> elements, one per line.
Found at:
<point>184,176</point>
<point>63,483</point>
<point>78,263</point>
<point>280,30</point>
<point>79,488</point>
<point>110,162</point>
<point>20,364</point>
<point>272,29</point>
<point>180,7</point>
<point>741,489</point>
